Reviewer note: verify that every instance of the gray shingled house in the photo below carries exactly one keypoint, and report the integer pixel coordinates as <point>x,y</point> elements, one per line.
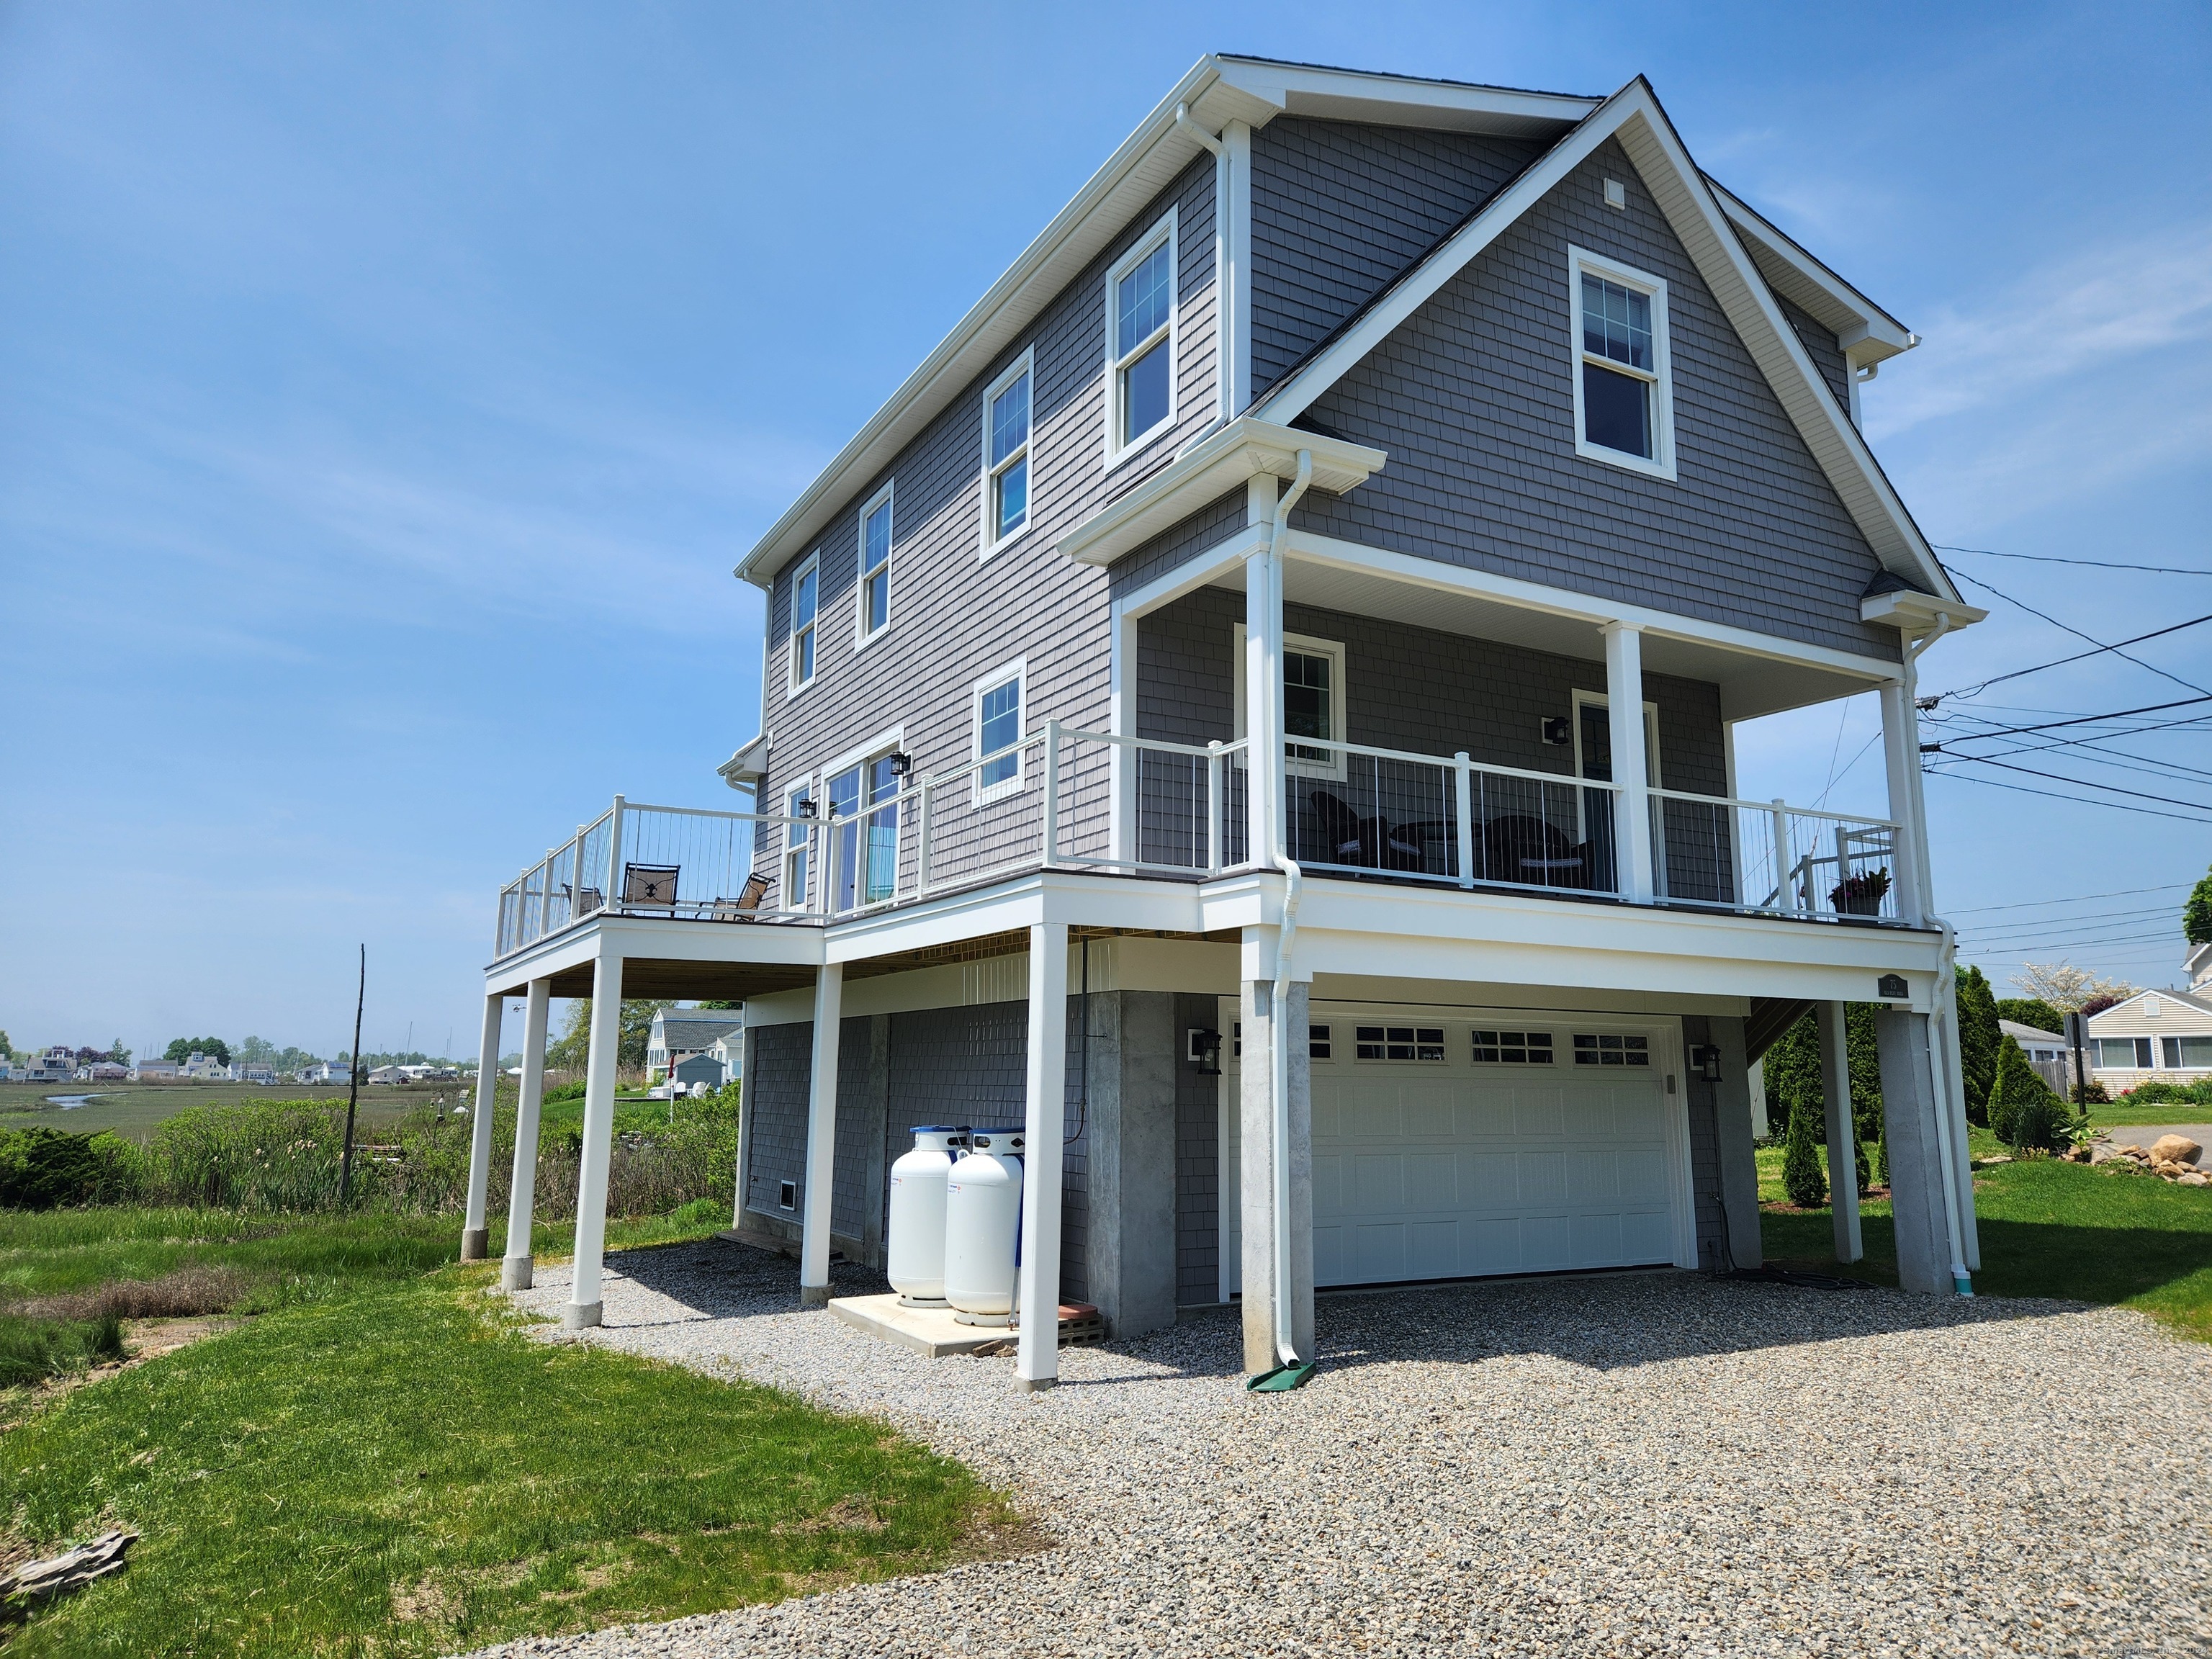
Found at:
<point>1193,732</point>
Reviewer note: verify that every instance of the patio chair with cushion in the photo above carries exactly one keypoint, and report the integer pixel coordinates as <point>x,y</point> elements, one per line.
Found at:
<point>1521,847</point>
<point>1369,843</point>
<point>747,903</point>
<point>650,883</point>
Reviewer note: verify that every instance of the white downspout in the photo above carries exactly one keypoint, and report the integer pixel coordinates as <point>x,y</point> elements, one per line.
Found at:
<point>1950,1143</point>
<point>1279,1055</point>
<point>1224,320</point>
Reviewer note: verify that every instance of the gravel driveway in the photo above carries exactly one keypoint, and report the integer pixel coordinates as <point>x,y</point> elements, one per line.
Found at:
<point>1646,1463</point>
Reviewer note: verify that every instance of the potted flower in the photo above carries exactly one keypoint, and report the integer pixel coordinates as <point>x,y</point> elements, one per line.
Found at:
<point>1860,895</point>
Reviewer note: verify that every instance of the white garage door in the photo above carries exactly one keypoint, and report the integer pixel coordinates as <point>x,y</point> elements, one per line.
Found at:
<point>1439,1159</point>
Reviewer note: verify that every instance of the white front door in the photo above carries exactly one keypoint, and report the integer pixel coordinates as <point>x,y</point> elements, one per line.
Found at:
<point>1448,1145</point>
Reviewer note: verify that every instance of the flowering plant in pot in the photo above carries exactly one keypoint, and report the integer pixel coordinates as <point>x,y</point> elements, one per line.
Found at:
<point>1860,895</point>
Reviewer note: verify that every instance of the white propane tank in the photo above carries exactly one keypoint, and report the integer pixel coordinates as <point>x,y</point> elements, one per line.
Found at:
<point>915,1251</point>
<point>983,1226</point>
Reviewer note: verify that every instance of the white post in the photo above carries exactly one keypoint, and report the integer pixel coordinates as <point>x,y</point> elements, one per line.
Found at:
<point>1463,798</point>
<point>1263,753</point>
<point>821,1137</point>
<point>1051,790</point>
<point>522,1188</point>
<point>1785,872</point>
<point>1900,749</point>
<point>1843,1131</point>
<point>583,1307</point>
<point>921,842</point>
<point>610,899</point>
<point>476,1237</point>
<point>1631,775</point>
<point>1037,1359</point>
<point>1213,807</point>
<point>1237,324</point>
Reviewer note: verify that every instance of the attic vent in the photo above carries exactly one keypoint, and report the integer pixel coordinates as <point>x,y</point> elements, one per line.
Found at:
<point>1616,193</point>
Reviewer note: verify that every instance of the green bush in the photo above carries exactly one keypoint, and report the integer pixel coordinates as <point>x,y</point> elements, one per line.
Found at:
<point>2170,1094</point>
<point>2024,1112</point>
<point>1801,1177</point>
<point>43,1169</point>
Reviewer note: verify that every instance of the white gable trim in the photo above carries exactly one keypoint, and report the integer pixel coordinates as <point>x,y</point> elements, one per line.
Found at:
<point>1634,117</point>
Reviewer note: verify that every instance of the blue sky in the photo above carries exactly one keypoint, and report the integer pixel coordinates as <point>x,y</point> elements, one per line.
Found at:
<point>386,392</point>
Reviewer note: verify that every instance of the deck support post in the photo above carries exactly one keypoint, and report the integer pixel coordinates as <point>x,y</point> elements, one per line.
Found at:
<point>1843,1131</point>
<point>1900,749</point>
<point>583,1309</point>
<point>1255,1178</point>
<point>1930,1252</point>
<point>821,1137</point>
<point>476,1236</point>
<point>1037,1358</point>
<point>1632,775</point>
<point>522,1186</point>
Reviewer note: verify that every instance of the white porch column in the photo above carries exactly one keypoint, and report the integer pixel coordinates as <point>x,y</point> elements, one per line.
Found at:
<point>583,1307</point>
<point>1044,1131</point>
<point>476,1237</point>
<point>1843,1131</point>
<point>1263,682</point>
<point>1631,774</point>
<point>821,1137</point>
<point>522,1188</point>
<point>1900,749</point>
<point>1931,1251</point>
<point>1262,1266</point>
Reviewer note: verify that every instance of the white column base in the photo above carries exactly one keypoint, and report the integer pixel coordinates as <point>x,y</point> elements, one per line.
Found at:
<point>476,1244</point>
<point>580,1316</point>
<point>514,1272</point>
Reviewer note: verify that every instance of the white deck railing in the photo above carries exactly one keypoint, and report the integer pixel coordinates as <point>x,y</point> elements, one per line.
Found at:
<point>1054,801</point>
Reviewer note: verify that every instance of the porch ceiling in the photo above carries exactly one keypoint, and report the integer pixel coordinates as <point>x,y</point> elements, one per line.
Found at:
<point>1750,684</point>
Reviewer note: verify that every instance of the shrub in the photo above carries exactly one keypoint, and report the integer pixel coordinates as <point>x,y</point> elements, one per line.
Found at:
<point>1802,1177</point>
<point>36,1350</point>
<point>2155,1093</point>
<point>43,1169</point>
<point>2024,1112</point>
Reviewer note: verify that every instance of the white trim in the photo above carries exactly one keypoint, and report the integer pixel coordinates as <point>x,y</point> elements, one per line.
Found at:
<point>1660,377</point>
<point>789,899</point>
<point>793,685</point>
<point>1169,336</point>
<point>882,743</point>
<point>1236,140</point>
<point>1651,736</point>
<point>1017,671</point>
<point>1294,766</point>
<point>863,637</point>
<point>1813,288</point>
<point>991,540</point>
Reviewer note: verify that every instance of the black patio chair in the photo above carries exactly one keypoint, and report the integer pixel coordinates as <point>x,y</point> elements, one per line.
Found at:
<point>1365,843</point>
<point>1521,847</point>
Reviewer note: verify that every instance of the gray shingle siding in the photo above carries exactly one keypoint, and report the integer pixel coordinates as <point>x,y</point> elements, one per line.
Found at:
<point>1473,397</point>
<point>1198,1163</point>
<point>1702,1109</point>
<point>1211,525</point>
<point>1340,209</point>
<point>1413,689</point>
<point>956,618</point>
<point>1821,346</point>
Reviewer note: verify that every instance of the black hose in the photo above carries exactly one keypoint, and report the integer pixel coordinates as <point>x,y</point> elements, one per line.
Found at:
<point>1773,1275</point>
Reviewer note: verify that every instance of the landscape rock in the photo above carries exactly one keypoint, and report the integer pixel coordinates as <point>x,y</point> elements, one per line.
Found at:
<point>2194,1178</point>
<point>2175,1149</point>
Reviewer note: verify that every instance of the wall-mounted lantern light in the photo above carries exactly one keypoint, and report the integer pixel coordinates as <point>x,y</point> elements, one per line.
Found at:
<point>1205,1052</point>
<point>1557,730</point>
<point>1706,1057</point>
<point>901,763</point>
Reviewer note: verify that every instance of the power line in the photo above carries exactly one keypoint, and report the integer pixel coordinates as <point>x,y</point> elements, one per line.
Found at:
<point>2077,633</point>
<point>2083,898</point>
<point>2087,720</point>
<point>2047,558</point>
<point>2052,794</point>
<point>2084,783</point>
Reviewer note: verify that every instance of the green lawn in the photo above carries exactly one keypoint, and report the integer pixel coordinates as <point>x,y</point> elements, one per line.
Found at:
<point>2171,1111</point>
<point>384,1463</point>
<point>2047,1228</point>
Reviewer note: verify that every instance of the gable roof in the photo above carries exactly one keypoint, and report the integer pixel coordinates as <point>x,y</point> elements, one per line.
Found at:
<point>1634,119</point>
<point>2193,1003</point>
<point>1218,89</point>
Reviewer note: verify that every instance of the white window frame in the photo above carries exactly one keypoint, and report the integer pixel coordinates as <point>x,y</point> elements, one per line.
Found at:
<point>797,845</point>
<point>1661,379</point>
<point>992,542</point>
<point>883,743</point>
<point>1333,767</point>
<point>980,793</point>
<point>862,637</point>
<point>1162,232</point>
<point>792,684</point>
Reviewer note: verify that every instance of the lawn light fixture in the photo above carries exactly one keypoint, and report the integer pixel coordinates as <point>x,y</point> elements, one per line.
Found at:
<point>1706,1057</point>
<point>1205,1052</point>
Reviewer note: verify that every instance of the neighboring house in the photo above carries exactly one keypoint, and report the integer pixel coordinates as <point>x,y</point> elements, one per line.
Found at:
<point>102,1071</point>
<point>197,1064</point>
<point>150,1071</point>
<point>729,1053</point>
<point>678,1034</point>
<point>242,1072</point>
<point>326,1071</point>
<point>56,1065</point>
<point>2156,1035</point>
<point>705,1068</point>
<point>2046,1052</point>
<point>1190,731</point>
<point>386,1075</point>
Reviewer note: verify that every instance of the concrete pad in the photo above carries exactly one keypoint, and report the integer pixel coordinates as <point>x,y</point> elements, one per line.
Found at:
<point>930,1332</point>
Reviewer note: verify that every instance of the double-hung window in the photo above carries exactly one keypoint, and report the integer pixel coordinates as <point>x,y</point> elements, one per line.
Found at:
<point>1313,703</point>
<point>998,732</point>
<point>1624,404</point>
<point>805,601</point>
<point>1140,341</point>
<point>1007,419</point>
<point>874,607</point>
<point>797,845</point>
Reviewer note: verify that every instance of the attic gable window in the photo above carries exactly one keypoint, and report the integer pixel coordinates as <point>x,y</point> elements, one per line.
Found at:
<point>1140,316</point>
<point>1624,404</point>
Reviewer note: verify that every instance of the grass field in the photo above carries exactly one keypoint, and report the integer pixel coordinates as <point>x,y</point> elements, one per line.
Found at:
<point>134,1108</point>
<point>381,1462</point>
<point>2047,1228</point>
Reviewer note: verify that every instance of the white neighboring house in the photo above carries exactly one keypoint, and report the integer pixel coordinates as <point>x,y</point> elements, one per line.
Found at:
<point>197,1064</point>
<point>680,1034</point>
<point>324,1070</point>
<point>2157,1036</point>
<point>56,1065</point>
<point>242,1072</point>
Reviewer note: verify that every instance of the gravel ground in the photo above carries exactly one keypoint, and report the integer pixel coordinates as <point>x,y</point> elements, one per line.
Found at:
<point>1642,1463</point>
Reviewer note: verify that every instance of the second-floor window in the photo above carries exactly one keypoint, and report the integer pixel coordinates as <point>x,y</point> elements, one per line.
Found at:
<point>1006,455</point>
<point>1623,400</point>
<point>1140,337</point>
<point>875,594</point>
<point>805,601</point>
<point>998,732</point>
<point>798,844</point>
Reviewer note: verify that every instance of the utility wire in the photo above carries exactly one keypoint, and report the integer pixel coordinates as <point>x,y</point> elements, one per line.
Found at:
<point>2084,783</point>
<point>2052,794</point>
<point>2087,720</point>
<point>2079,635</point>
<point>2080,898</point>
<point>2047,558</point>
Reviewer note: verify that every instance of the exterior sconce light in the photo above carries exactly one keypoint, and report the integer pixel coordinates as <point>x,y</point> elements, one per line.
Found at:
<point>901,763</point>
<point>1205,1052</point>
<point>803,808</point>
<point>1558,730</point>
<point>1706,1057</point>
